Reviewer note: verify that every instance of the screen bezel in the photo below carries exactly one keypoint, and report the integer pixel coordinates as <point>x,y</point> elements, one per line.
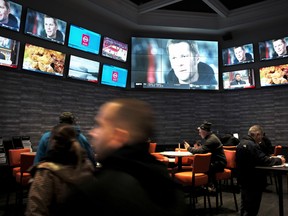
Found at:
<point>105,71</point>
<point>40,31</point>
<point>17,15</point>
<point>71,38</point>
<point>12,48</point>
<point>140,78</point>
<point>118,45</point>
<point>277,78</point>
<point>94,77</point>
<point>228,54</point>
<point>248,75</point>
<point>29,62</point>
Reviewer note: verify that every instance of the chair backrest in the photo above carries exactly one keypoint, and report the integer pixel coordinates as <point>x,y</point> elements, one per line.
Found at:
<point>230,147</point>
<point>185,160</point>
<point>152,147</point>
<point>26,160</point>
<point>201,162</point>
<point>231,158</point>
<point>15,156</point>
<point>277,150</point>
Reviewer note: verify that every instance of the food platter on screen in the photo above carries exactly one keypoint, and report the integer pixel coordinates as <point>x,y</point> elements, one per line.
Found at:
<point>274,75</point>
<point>40,59</point>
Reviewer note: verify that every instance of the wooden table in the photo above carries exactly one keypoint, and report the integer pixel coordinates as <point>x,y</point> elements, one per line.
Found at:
<point>278,171</point>
<point>178,154</point>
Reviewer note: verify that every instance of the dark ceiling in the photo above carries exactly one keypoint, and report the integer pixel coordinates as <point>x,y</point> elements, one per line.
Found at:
<point>200,5</point>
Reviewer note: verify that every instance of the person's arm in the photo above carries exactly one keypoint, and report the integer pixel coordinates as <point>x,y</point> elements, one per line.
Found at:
<point>42,147</point>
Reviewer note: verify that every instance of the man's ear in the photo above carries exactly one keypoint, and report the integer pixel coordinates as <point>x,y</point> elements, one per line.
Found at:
<point>121,135</point>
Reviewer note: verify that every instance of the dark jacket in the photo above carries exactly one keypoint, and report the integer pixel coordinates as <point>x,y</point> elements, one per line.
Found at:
<point>206,76</point>
<point>212,144</point>
<point>12,22</point>
<point>59,36</point>
<point>248,156</point>
<point>248,57</point>
<point>130,182</point>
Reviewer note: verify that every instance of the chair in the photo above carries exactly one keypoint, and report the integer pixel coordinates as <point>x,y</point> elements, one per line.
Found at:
<point>196,178</point>
<point>186,161</point>
<point>23,177</point>
<point>230,147</point>
<point>14,164</point>
<point>226,175</point>
<point>152,147</point>
<point>161,158</point>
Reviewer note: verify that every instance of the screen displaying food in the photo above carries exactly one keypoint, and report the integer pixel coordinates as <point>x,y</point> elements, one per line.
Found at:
<point>40,59</point>
<point>274,75</point>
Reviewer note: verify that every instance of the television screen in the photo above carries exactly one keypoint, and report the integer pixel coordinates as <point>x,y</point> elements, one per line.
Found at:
<point>83,39</point>
<point>114,49</point>
<point>44,26</point>
<point>114,76</point>
<point>9,52</point>
<point>10,15</point>
<point>40,59</point>
<point>83,69</point>
<point>238,55</point>
<point>174,64</point>
<point>274,75</point>
<point>238,79</point>
<point>273,49</point>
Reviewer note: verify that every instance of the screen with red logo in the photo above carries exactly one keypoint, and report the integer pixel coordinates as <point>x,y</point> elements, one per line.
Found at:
<point>83,39</point>
<point>114,76</point>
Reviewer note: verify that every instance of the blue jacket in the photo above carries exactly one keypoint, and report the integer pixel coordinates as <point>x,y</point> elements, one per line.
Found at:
<point>43,146</point>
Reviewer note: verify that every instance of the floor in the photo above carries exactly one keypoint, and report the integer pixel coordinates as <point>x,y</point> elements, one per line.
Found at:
<point>269,204</point>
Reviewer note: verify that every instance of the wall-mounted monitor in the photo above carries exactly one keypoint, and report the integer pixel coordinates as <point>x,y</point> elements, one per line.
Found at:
<point>238,55</point>
<point>42,60</point>
<point>9,52</point>
<point>44,26</point>
<point>273,49</point>
<point>83,69</point>
<point>10,15</point>
<point>114,49</point>
<point>84,39</point>
<point>114,76</point>
<point>274,75</point>
<point>238,79</point>
<point>174,64</point>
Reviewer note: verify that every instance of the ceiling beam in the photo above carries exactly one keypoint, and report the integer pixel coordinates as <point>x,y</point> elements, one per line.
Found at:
<point>155,4</point>
<point>218,7</point>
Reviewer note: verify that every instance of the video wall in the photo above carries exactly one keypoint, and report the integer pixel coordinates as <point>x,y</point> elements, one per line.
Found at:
<point>156,63</point>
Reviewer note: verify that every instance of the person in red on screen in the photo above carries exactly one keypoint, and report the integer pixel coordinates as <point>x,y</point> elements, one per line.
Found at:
<point>186,65</point>
<point>280,48</point>
<point>6,18</point>
<point>51,29</point>
<point>241,55</point>
<point>212,144</point>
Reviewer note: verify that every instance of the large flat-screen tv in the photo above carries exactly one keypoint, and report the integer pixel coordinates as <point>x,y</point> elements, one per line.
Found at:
<point>274,75</point>
<point>238,55</point>
<point>83,69</point>
<point>238,79</point>
<point>43,60</point>
<point>273,49</point>
<point>114,76</point>
<point>84,39</point>
<point>114,49</point>
<point>10,15</point>
<point>160,63</point>
<point>9,52</point>
<point>44,26</point>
